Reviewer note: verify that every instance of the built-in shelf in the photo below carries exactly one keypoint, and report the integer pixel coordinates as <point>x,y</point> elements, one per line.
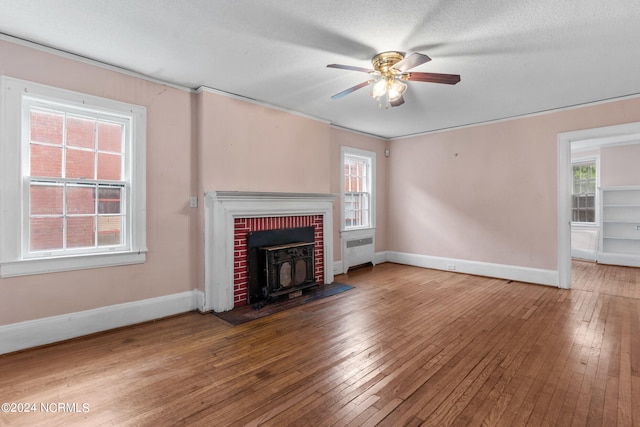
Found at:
<point>620,217</point>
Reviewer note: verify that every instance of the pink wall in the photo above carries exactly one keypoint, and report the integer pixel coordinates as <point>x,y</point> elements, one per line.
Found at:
<point>619,165</point>
<point>489,192</point>
<point>248,147</point>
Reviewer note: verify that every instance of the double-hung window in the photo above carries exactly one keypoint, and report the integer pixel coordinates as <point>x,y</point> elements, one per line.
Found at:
<point>357,188</point>
<point>75,198</point>
<point>583,196</point>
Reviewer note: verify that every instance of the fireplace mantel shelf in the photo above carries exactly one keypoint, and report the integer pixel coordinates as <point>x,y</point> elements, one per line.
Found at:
<point>253,195</point>
<point>222,207</point>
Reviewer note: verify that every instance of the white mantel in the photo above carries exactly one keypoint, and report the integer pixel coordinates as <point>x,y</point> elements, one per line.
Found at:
<point>223,207</point>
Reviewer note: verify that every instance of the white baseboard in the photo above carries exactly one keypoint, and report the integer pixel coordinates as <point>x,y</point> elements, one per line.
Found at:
<point>509,272</point>
<point>31,333</point>
<point>628,260</point>
<point>583,254</point>
<point>379,258</point>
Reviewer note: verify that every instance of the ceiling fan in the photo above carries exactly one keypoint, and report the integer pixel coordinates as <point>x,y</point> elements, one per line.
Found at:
<point>390,71</point>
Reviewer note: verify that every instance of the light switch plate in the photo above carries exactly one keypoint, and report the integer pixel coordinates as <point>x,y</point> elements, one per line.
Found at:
<point>193,202</point>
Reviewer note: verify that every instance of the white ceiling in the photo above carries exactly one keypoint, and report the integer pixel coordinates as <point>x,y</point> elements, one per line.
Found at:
<point>514,57</point>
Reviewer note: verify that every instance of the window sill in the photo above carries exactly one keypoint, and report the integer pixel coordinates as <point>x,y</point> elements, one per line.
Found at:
<point>53,265</point>
<point>585,225</point>
<point>358,232</point>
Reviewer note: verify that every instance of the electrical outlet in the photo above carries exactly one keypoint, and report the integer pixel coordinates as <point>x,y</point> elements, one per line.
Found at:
<point>193,202</point>
<point>451,267</point>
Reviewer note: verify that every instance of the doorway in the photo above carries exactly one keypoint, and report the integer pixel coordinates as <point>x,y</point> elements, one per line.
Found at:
<point>597,137</point>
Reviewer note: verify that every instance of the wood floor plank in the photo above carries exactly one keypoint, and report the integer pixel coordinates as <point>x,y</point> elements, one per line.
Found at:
<point>406,346</point>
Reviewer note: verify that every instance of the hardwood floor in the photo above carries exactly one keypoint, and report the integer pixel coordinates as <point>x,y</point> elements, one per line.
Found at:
<point>406,346</point>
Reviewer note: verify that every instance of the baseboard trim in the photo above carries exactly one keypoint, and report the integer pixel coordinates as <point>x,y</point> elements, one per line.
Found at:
<point>509,272</point>
<point>627,260</point>
<point>379,258</point>
<point>583,254</point>
<point>47,330</point>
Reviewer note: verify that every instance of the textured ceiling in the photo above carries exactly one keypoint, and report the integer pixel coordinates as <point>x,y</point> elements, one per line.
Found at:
<point>514,57</point>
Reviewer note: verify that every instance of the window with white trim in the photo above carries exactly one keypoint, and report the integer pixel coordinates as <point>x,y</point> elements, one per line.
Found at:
<point>76,198</point>
<point>358,168</point>
<point>583,195</point>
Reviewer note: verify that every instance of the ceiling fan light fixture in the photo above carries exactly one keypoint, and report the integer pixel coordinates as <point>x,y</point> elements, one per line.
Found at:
<point>379,88</point>
<point>396,90</point>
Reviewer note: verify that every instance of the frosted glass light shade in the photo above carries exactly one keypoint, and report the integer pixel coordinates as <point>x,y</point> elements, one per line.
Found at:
<point>396,90</point>
<point>379,88</point>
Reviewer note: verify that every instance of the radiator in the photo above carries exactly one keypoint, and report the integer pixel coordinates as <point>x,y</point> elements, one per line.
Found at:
<point>356,251</point>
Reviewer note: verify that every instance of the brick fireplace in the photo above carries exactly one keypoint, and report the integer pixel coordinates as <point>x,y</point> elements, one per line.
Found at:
<point>230,215</point>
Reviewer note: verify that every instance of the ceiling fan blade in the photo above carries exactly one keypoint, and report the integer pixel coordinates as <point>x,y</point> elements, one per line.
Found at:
<point>449,79</point>
<point>351,89</point>
<point>398,102</point>
<point>411,61</point>
<point>350,67</point>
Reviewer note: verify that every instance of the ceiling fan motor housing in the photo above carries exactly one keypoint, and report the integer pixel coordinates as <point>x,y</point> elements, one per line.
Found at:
<point>383,62</point>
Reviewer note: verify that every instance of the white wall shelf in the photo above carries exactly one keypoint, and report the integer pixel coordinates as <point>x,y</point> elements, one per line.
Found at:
<point>620,237</point>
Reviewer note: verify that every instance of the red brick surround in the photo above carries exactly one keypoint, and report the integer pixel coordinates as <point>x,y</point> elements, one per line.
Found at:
<point>242,226</point>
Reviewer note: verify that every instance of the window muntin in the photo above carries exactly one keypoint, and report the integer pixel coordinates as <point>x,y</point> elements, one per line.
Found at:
<point>583,195</point>
<point>76,181</point>
<point>357,188</point>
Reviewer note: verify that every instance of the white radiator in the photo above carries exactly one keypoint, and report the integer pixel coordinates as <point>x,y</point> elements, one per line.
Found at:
<point>357,249</point>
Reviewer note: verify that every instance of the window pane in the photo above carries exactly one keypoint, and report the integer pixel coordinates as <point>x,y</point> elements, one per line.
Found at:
<point>349,173</point>
<point>81,132</point>
<point>109,166</point>
<point>46,161</point>
<point>46,127</point>
<point>81,200</point>
<point>584,187</point>
<point>80,164</point>
<point>45,233</point>
<point>110,137</point>
<point>81,231</point>
<point>364,221</point>
<point>364,200</point>
<point>110,200</point>
<point>109,230</point>
<point>582,202</point>
<point>46,199</point>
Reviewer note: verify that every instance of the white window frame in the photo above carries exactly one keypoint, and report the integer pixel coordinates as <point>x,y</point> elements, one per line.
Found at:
<point>370,157</point>
<point>14,257</point>
<point>581,160</point>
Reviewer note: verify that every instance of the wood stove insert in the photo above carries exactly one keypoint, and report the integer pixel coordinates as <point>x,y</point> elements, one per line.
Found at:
<point>280,262</point>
